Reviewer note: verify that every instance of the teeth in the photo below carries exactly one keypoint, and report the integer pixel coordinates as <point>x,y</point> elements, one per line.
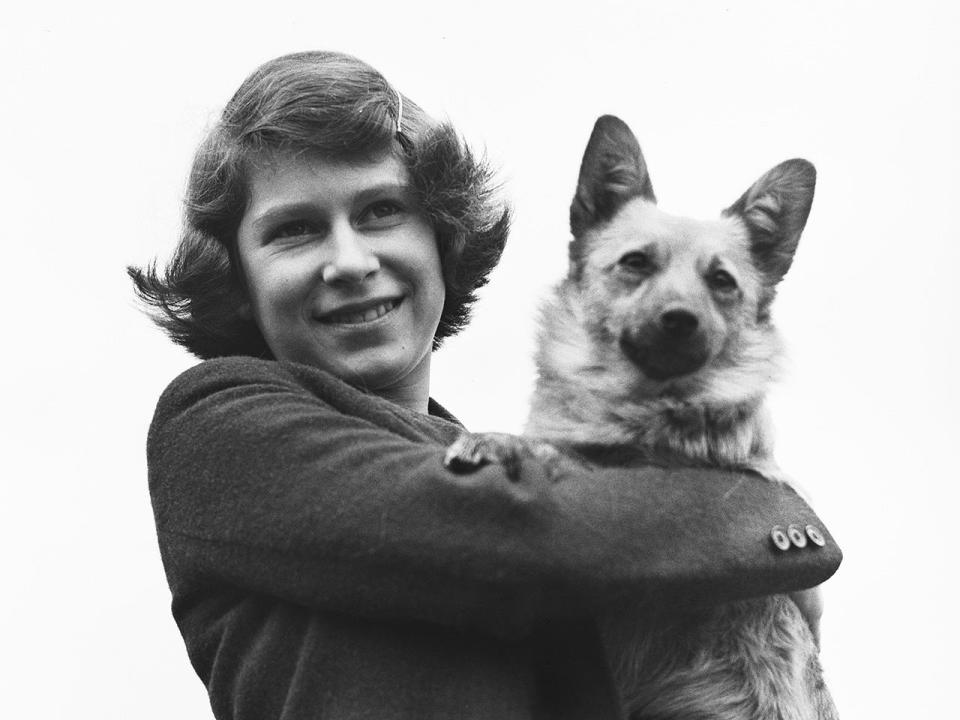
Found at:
<point>366,316</point>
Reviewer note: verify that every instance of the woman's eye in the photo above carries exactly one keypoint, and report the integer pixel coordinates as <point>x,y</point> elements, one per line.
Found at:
<point>381,210</point>
<point>293,229</point>
<point>636,262</point>
<point>722,280</point>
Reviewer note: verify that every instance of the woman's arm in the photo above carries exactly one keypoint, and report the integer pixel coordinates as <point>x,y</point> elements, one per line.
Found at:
<point>278,480</point>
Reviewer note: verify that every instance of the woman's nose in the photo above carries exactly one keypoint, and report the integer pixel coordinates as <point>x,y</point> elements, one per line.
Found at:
<point>350,260</point>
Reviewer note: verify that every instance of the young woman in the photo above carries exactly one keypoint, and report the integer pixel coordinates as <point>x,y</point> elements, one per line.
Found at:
<point>323,561</point>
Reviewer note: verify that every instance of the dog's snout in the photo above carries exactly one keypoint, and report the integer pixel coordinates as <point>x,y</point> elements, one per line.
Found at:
<point>679,324</point>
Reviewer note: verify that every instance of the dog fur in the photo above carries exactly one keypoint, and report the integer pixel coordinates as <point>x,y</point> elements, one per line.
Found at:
<point>658,347</point>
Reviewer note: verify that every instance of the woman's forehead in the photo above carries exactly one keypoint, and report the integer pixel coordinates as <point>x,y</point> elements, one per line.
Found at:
<point>269,167</point>
<point>304,177</point>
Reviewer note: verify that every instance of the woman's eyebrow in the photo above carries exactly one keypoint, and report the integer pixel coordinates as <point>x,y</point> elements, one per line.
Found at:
<point>385,188</point>
<point>281,212</point>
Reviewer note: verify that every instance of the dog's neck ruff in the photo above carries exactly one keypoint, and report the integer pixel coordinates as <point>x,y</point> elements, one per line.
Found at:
<point>663,430</point>
<point>596,397</point>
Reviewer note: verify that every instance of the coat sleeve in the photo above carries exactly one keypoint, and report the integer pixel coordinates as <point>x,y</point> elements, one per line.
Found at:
<point>263,487</point>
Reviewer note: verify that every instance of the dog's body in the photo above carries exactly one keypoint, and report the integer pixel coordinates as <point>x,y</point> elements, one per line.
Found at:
<point>658,347</point>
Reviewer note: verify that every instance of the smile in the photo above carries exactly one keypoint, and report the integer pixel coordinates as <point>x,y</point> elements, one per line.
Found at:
<point>361,316</point>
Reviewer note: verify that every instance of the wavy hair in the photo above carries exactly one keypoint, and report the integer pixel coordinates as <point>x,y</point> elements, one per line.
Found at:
<point>341,109</point>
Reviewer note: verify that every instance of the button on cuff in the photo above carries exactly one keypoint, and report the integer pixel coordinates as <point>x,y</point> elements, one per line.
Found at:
<point>797,536</point>
<point>816,537</point>
<point>779,537</point>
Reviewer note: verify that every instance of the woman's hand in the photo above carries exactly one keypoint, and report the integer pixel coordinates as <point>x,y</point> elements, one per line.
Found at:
<point>810,602</point>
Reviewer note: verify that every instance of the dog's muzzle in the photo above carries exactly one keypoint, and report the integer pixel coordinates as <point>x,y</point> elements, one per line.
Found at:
<point>671,346</point>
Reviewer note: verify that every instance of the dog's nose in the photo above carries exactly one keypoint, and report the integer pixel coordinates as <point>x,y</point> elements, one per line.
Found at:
<point>678,324</point>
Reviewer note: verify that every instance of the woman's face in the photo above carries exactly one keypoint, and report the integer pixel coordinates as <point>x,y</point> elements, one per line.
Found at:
<point>342,271</point>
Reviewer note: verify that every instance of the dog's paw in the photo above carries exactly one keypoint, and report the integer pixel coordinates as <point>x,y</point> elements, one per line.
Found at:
<point>471,451</point>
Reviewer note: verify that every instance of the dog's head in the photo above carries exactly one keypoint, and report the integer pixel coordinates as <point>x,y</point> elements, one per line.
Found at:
<point>680,297</point>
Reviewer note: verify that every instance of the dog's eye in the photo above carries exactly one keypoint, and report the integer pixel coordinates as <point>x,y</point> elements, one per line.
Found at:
<point>722,280</point>
<point>636,262</point>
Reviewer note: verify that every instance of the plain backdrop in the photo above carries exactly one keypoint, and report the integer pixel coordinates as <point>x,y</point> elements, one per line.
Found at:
<point>101,107</point>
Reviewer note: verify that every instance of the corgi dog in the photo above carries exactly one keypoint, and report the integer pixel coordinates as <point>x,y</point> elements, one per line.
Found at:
<point>659,344</point>
<point>658,347</point>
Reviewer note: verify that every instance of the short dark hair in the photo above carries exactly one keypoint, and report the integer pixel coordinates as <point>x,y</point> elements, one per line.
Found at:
<point>339,108</point>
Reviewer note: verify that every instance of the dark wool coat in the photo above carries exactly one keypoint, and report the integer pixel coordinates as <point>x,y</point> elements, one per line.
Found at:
<point>324,564</point>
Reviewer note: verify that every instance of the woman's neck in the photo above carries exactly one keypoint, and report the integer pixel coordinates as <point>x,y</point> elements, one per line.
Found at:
<point>408,397</point>
<point>413,391</point>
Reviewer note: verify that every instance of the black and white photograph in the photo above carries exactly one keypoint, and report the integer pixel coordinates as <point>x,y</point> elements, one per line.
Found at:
<point>492,361</point>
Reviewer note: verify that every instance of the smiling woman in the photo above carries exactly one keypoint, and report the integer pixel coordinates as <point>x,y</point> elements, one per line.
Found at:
<point>343,272</point>
<point>323,109</point>
<point>323,561</point>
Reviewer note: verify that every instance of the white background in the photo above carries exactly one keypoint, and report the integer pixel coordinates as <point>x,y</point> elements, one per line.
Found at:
<point>101,108</point>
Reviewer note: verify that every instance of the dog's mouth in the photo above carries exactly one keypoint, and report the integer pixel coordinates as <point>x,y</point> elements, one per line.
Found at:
<point>664,358</point>
<point>661,366</point>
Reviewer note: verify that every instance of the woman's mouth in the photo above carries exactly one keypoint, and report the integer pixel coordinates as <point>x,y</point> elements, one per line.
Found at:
<point>360,316</point>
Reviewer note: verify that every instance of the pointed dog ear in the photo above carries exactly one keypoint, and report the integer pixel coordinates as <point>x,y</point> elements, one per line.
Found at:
<point>612,172</point>
<point>775,210</point>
